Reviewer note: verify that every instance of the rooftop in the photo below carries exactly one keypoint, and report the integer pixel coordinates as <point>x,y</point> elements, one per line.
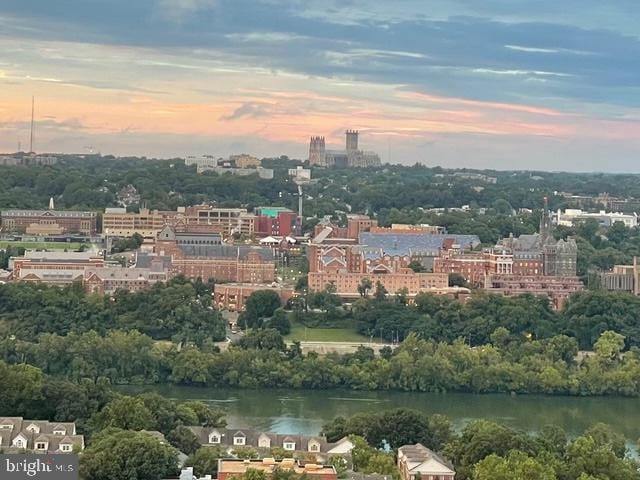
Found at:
<point>268,465</point>
<point>407,243</point>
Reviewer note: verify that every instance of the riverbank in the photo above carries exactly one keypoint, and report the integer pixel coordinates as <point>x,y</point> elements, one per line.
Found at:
<point>305,411</point>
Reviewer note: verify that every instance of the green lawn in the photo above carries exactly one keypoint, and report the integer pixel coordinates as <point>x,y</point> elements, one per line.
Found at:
<point>42,245</point>
<point>300,333</point>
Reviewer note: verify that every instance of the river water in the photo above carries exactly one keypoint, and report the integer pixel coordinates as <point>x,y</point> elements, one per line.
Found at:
<point>305,411</point>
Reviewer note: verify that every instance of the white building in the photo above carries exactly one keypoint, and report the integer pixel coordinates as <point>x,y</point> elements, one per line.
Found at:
<point>570,216</point>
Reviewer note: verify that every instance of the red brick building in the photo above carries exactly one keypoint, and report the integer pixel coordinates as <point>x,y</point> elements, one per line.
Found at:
<point>274,221</point>
<point>558,289</point>
<point>205,257</point>
<point>233,296</point>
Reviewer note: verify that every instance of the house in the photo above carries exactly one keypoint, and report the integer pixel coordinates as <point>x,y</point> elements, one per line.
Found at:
<point>417,462</point>
<point>39,436</point>
<point>233,468</point>
<point>230,438</point>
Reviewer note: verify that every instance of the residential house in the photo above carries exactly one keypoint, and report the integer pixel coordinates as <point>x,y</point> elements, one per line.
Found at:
<point>40,436</point>
<point>417,462</point>
<point>230,438</point>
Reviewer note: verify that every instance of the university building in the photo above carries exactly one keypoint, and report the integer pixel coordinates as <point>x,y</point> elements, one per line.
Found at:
<point>49,222</point>
<point>204,256</point>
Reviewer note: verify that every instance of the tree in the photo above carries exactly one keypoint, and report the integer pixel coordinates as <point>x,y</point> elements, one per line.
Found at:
<point>516,466</point>
<point>207,416</point>
<point>457,280</point>
<point>609,346</point>
<point>280,322</point>
<point>268,339</point>
<point>124,455</point>
<point>260,305</point>
<point>380,293</point>
<point>205,461</point>
<point>364,286</point>
<point>245,453</point>
<point>184,440</point>
<point>416,266</point>
<point>126,413</point>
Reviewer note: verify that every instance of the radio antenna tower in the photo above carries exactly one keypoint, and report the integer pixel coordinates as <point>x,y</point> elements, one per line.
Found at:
<point>33,102</point>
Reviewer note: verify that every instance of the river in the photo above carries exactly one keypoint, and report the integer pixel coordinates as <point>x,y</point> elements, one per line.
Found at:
<point>305,411</point>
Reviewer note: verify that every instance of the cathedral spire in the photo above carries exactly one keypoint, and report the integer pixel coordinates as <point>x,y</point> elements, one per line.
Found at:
<point>545,220</point>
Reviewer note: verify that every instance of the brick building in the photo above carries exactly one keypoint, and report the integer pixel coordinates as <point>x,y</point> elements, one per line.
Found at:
<point>233,296</point>
<point>49,222</point>
<point>274,221</point>
<point>558,289</point>
<point>53,267</point>
<point>198,256</point>
<point>108,280</point>
<point>379,257</point>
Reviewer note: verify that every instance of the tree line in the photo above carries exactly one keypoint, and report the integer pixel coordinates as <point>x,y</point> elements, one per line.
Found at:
<point>262,360</point>
<point>180,311</point>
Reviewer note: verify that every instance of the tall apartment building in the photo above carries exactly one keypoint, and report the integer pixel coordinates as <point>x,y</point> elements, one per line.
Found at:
<point>49,222</point>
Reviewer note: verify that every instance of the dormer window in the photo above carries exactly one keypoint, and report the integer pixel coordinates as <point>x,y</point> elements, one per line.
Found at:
<point>41,445</point>
<point>66,447</point>
<point>214,438</point>
<point>59,432</point>
<point>289,445</point>
<point>239,440</point>
<point>314,447</point>
<point>6,426</point>
<point>33,428</point>
<point>19,443</point>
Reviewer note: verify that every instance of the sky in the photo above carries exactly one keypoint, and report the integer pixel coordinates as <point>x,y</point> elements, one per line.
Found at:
<point>505,84</point>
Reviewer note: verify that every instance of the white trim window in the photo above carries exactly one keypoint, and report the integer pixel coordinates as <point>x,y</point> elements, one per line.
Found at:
<point>214,438</point>
<point>289,446</point>
<point>66,447</point>
<point>41,445</point>
<point>239,440</point>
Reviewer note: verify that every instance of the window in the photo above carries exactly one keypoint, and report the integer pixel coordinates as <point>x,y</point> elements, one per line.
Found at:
<point>6,427</point>
<point>238,440</point>
<point>214,438</point>
<point>313,447</point>
<point>58,432</point>
<point>19,443</point>
<point>41,446</point>
<point>65,448</point>
<point>289,445</point>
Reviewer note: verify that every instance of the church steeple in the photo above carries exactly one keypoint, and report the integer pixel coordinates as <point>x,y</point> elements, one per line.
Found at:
<point>545,220</point>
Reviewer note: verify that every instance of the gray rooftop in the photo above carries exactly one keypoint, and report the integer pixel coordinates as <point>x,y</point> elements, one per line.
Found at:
<point>411,243</point>
<point>225,251</point>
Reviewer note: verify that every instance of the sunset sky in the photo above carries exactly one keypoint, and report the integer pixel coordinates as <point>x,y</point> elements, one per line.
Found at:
<point>536,84</point>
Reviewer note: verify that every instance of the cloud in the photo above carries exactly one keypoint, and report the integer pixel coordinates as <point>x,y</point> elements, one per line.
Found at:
<point>247,110</point>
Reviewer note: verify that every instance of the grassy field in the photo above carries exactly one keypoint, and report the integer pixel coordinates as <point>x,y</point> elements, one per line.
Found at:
<point>42,245</point>
<point>300,333</point>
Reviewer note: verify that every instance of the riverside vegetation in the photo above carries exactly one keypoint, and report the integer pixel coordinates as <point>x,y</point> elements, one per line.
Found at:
<point>119,447</point>
<point>93,339</point>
